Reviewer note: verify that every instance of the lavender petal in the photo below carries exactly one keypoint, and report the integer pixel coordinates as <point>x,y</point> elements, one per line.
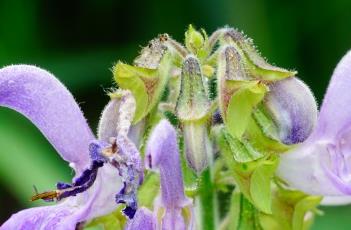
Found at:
<point>293,108</point>
<point>321,165</point>
<point>64,216</point>
<point>162,153</point>
<point>143,219</point>
<point>40,97</point>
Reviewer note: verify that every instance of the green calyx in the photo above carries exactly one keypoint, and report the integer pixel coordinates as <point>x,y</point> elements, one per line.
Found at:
<point>195,40</point>
<point>259,68</point>
<point>193,103</point>
<point>291,210</point>
<point>251,170</point>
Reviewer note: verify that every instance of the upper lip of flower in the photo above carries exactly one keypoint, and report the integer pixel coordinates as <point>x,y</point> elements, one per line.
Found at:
<point>40,97</point>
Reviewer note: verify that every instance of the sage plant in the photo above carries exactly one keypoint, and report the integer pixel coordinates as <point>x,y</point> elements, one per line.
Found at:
<point>205,135</point>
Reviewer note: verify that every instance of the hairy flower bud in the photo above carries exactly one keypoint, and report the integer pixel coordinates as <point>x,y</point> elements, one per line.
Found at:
<point>293,109</point>
<point>192,109</point>
<point>194,40</point>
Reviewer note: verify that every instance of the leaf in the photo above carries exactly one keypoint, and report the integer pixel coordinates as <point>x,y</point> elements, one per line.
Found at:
<point>262,142</point>
<point>112,221</point>
<point>242,150</point>
<point>147,85</point>
<point>193,102</point>
<point>260,185</point>
<point>241,105</point>
<point>130,77</point>
<point>240,175</point>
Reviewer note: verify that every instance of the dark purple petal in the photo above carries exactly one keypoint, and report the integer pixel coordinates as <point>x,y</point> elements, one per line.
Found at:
<point>40,97</point>
<point>143,219</point>
<point>293,108</point>
<point>131,171</point>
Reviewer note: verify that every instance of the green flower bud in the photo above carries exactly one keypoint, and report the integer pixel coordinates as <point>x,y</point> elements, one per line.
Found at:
<point>194,40</point>
<point>192,109</point>
<point>193,103</point>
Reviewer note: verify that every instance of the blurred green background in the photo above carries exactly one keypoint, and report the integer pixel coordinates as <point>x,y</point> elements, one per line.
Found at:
<point>79,41</point>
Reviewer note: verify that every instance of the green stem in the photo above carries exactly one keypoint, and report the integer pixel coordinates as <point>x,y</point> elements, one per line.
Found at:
<point>207,202</point>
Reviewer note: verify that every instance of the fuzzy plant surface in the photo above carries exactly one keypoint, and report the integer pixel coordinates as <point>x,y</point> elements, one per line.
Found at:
<point>202,135</point>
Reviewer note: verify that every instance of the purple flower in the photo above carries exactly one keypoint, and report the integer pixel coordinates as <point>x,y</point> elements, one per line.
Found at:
<point>104,167</point>
<point>172,209</point>
<point>322,164</point>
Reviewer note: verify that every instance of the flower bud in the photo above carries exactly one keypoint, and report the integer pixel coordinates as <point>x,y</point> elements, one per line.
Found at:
<point>193,103</point>
<point>194,40</point>
<point>192,109</point>
<point>293,108</point>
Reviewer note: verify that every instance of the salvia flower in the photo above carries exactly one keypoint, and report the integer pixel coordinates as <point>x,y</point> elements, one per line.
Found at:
<point>40,97</point>
<point>249,130</point>
<point>321,164</point>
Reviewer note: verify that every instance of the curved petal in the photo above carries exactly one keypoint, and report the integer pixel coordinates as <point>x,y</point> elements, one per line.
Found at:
<point>40,97</point>
<point>294,109</point>
<point>335,113</point>
<point>60,216</point>
<point>117,116</point>
<point>322,164</point>
<point>97,201</point>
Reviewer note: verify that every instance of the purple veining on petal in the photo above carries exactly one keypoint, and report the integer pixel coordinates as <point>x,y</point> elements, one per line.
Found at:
<point>293,108</point>
<point>39,96</point>
<point>143,219</point>
<point>88,176</point>
<point>83,182</point>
